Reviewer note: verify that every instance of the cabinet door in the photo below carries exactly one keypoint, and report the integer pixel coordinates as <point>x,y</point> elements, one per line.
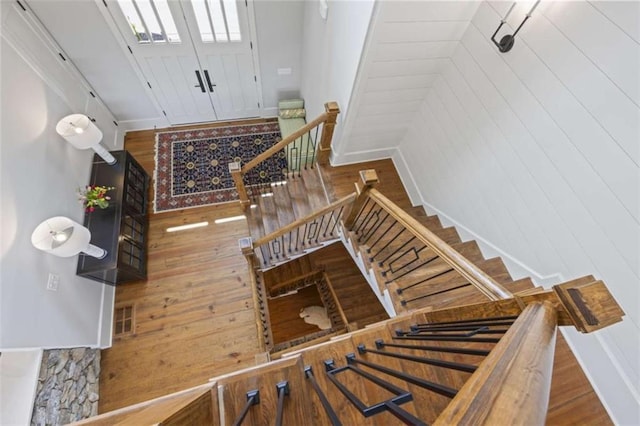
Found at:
<point>132,248</point>
<point>135,188</point>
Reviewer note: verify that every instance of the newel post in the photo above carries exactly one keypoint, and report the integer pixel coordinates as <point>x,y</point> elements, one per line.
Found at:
<point>368,179</point>
<point>246,246</point>
<point>236,174</point>
<point>332,110</point>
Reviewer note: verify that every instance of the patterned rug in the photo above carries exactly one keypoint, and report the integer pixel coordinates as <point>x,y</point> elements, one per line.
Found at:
<point>192,166</point>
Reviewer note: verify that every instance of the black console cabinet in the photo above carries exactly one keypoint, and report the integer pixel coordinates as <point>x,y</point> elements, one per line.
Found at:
<point>121,228</point>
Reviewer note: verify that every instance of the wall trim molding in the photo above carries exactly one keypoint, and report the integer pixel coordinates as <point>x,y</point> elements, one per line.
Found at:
<point>143,124</point>
<point>361,156</point>
<point>514,265</point>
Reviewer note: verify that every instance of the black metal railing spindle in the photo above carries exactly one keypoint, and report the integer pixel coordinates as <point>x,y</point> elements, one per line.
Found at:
<point>337,221</point>
<point>391,241</point>
<point>410,270</point>
<point>253,398</point>
<point>381,262</point>
<point>283,390</point>
<point>333,417</point>
<point>364,238</point>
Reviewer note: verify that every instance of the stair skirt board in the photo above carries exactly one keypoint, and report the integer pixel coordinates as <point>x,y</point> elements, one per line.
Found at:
<point>385,297</point>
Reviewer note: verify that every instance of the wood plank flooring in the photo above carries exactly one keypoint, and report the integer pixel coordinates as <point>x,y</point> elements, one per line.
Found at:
<point>195,316</point>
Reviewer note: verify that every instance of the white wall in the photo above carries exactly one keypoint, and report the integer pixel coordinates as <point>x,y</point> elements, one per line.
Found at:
<point>39,175</point>
<point>407,45</point>
<point>279,39</point>
<point>332,50</point>
<point>82,32</point>
<point>536,152</point>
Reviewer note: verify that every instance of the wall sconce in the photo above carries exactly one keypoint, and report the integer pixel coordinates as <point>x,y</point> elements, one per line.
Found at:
<point>64,237</point>
<point>323,8</point>
<point>506,43</point>
<point>79,131</point>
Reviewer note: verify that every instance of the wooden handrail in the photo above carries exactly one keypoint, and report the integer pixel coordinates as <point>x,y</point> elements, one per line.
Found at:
<point>153,411</point>
<point>313,275</point>
<point>483,282</point>
<point>293,225</point>
<point>284,142</point>
<point>511,386</point>
<point>335,299</point>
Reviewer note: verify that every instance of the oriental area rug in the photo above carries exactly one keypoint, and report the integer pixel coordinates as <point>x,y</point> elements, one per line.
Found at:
<point>192,166</point>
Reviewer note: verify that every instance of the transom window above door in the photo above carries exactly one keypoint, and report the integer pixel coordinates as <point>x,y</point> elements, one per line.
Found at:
<point>217,20</point>
<point>150,20</point>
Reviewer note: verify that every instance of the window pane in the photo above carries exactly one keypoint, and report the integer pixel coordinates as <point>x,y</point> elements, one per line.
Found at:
<point>149,17</point>
<point>167,21</point>
<point>130,12</point>
<point>219,26</point>
<point>202,19</point>
<point>231,12</point>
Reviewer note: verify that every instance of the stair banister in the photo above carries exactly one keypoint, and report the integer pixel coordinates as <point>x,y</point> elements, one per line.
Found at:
<point>293,225</point>
<point>334,296</point>
<point>368,179</point>
<point>511,386</point>
<point>327,119</point>
<point>324,150</point>
<point>479,279</point>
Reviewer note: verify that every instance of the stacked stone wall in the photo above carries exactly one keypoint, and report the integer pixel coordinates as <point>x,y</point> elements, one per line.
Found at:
<point>68,386</point>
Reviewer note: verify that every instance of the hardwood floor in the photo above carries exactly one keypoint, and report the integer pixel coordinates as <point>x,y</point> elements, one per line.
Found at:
<point>284,311</point>
<point>195,318</point>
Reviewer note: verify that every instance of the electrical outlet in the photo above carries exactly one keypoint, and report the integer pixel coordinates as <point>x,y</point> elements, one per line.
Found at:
<point>284,71</point>
<point>53,282</point>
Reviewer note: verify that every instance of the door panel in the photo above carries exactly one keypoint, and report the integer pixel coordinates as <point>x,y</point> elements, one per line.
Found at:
<point>174,79</point>
<point>230,66</point>
<point>234,95</point>
<point>170,67</point>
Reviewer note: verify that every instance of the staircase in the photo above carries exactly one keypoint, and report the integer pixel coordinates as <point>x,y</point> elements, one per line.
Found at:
<point>465,342</point>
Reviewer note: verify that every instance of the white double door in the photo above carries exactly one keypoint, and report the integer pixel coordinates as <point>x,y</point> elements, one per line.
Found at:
<point>193,80</point>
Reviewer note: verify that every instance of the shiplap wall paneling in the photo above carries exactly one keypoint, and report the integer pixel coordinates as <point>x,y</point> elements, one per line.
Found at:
<point>553,127</point>
<point>407,45</point>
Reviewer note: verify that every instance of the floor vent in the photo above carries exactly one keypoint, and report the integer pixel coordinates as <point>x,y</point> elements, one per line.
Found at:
<point>124,320</point>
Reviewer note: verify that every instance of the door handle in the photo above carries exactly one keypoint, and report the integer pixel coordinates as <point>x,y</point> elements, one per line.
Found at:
<point>206,75</point>
<point>201,84</point>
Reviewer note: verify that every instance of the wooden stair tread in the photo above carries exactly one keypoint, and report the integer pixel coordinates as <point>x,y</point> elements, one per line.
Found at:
<point>254,221</point>
<point>298,196</point>
<point>282,201</point>
<point>315,191</point>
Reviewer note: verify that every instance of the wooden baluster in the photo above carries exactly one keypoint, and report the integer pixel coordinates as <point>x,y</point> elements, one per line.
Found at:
<point>236,174</point>
<point>369,178</point>
<point>324,150</point>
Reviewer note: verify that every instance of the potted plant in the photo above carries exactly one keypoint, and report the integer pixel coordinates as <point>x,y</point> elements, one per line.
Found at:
<point>93,196</point>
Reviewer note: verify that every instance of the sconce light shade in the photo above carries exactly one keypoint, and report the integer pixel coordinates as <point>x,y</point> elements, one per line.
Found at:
<point>64,237</point>
<point>79,131</point>
<point>323,8</point>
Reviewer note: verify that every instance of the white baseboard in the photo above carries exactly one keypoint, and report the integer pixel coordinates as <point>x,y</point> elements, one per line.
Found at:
<point>361,156</point>
<point>144,124</point>
<point>406,177</point>
<point>107,306</point>
<point>516,268</point>
<point>269,112</point>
